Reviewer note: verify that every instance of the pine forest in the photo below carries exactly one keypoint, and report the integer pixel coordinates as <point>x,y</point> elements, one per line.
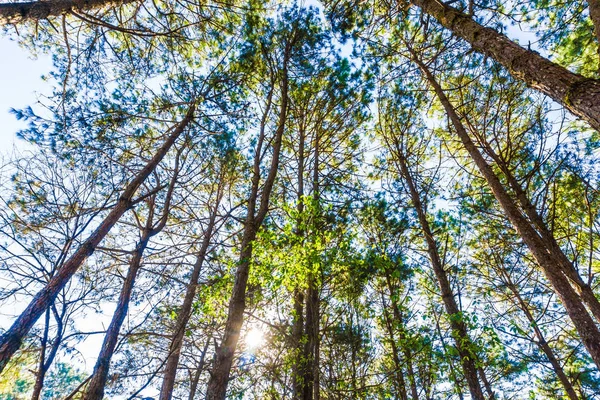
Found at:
<point>305,200</point>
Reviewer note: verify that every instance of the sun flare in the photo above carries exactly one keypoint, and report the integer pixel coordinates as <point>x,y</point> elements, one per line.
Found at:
<point>255,338</point>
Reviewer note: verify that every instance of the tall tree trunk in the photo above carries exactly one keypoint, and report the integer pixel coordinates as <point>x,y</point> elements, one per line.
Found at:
<point>399,382</point>
<point>199,368</point>
<point>541,341</point>
<point>11,339</point>
<point>588,331</point>
<point>217,384</point>
<point>16,13</point>
<point>578,94</point>
<point>183,317</point>
<point>297,330</point>
<point>95,389</point>
<point>298,367</point>
<point>311,332</point>
<point>406,349</point>
<point>546,234</point>
<point>463,343</point>
<point>311,328</point>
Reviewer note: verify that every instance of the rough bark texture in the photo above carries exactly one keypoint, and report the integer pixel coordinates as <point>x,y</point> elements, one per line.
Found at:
<point>15,13</point>
<point>459,330</point>
<point>578,94</point>
<point>11,339</point>
<point>545,233</point>
<point>594,10</point>
<point>590,335</point>
<point>217,385</point>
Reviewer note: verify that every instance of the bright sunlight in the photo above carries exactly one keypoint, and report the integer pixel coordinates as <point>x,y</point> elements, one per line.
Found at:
<point>254,338</point>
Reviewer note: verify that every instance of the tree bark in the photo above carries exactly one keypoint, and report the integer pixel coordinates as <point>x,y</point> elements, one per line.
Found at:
<point>217,384</point>
<point>578,94</point>
<point>541,342</point>
<point>459,330</point>
<point>166,391</point>
<point>95,389</point>
<point>16,13</point>
<point>594,11</point>
<point>11,339</point>
<point>588,331</point>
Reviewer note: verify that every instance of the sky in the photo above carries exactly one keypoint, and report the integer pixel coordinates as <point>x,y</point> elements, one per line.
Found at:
<point>20,80</point>
<point>20,85</point>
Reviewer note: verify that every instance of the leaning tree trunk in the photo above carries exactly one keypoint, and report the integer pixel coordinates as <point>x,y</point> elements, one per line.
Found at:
<point>460,335</point>
<point>586,292</point>
<point>183,317</point>
<point>11,339</point>
<point>217,384</point>
<point>578,94</point>
<point>541,340</point>
<point>15,13</point>
<point>95,389</point>
<point>587,329</point>
<point>46,361</point>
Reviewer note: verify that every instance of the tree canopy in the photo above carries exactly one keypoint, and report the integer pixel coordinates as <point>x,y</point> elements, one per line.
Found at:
<point>233,199</point>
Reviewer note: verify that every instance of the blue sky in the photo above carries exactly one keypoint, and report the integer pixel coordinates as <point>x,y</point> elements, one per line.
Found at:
<point>20,80</point>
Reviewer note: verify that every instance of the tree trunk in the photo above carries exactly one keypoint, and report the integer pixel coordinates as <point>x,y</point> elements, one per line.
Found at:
<point>578,94</point>
<point>194,384</point>
<point>459,330</point>
<point>311,331</point>
<point>297,325</point>
<point>400,383</point>
<point>166,391</point>
<point>541,341</point>
<point>95,389</point>
<point>41,373</point>
<point>11,339</point>
<point>594,11</point>
<point>16,13</point>
<point>590,335</point>
<point>217,384</point>
<point>298,367</point>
